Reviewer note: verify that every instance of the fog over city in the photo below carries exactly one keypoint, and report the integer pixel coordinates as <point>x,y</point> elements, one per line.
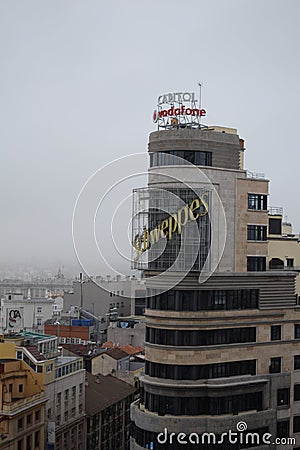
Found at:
<point>79,81</point>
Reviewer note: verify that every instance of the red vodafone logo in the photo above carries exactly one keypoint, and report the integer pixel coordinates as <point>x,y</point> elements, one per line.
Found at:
<point>182,111</point>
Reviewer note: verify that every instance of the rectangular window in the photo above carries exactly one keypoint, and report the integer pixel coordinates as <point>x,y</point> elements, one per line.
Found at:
<point>275,365</point>
<point>257,232</point>
<point>37,416</point>
<point>66,394</point>
<point>58,420</point>
<point>29,419</point>
<point>283,429</point>
<point>20,387</point>
<point>37,439</point>
<point>290,262</point>
<point>39,321</point>
<point>39,309</point>
<point>296,392</point>
<point>28,443</point>
<point>20,444</point>
<point>20,424</point>
<point>297,331</point>
<point>275,332</point>
<point>296,362</point>
<point>296,424</point>
<point>283,397</point>
<point>256,263</point>
<point>80,388</point>
<point>257,202</point>
<point>73,392</point>
<point>274,226</point>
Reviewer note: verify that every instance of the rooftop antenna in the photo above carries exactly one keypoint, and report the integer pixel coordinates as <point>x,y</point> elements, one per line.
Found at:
<point>200,100</point>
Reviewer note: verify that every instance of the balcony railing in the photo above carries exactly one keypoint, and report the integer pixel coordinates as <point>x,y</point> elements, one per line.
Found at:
<point>16,405</point>
<point>275,210</point>
<point>257,175</point>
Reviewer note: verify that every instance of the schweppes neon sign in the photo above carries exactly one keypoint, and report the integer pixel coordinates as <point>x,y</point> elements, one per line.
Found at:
<point>172,224</point>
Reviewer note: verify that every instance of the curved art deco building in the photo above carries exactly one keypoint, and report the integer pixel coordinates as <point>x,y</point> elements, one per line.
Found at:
<point>225,350</point>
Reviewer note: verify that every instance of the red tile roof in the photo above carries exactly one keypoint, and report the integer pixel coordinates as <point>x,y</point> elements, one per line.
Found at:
<point>116,353</point>
<point>108,344</point>
<point>131,350</point>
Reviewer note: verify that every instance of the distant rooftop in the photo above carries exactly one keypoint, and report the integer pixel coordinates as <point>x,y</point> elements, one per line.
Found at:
<point>61,360</point>
<point>102,392</point>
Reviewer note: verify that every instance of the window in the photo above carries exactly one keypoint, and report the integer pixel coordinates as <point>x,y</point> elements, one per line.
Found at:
<point>39,321</point>
<point>297,331</point>
<point>28,443</point>
<point>192,338</point>
<point>200,371</point>
<point>58,418</point>
<point>66,395</point>
<point>172,158</point>
<point>283,429</point>
<point>275,365</point>
<point>58,398</point>
<point>20,424</point>
<point>204,405</point>
<point>20,444</point>
<point>257,202</point>
<point>73,392</point>
<point>20,387</point>
<point>37,439</point>
<point>274,226</point>
<point>39,309</point>
<point>80,408</point>
<point>283,397</point>
<point>73,412</point>
<point>66,417</point>
<point>29,419</point>
<point>297,424</point>
<point>256,263</point>
<point>204,300</point>
<point>275,332</point>
<point>296,392</point>
<point>80,388</point>
<point>257,233</point>
<point>37,416</point>
<point>10,387</point>
<point>296,362</point>
<point>290,262</point>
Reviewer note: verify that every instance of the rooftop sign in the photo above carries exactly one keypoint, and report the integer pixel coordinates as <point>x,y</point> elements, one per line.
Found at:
<point>178,109</point>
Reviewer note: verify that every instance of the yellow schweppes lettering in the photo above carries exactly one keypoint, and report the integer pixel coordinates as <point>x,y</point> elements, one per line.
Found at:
<point>172,224</point>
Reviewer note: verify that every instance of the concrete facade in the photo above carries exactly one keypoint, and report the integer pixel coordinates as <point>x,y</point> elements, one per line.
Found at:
<point>226,350</point>
<point>102,295</point>
<point>18,313</point>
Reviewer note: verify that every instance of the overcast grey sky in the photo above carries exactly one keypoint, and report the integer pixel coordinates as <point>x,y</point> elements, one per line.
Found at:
<point>79,81</point>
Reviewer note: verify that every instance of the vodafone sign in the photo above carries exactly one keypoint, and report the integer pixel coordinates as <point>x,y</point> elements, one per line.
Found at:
<point>177,112</point>
<point>178,109</point>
